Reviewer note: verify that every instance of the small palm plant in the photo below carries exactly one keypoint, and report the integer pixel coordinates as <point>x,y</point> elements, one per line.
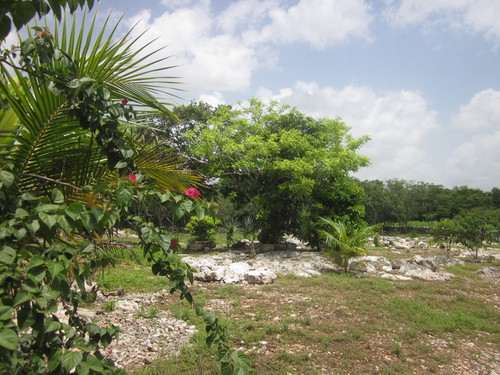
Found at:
<point>344,241</point>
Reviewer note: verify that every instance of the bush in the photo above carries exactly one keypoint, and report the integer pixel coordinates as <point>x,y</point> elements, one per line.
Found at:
<point>202,229</point>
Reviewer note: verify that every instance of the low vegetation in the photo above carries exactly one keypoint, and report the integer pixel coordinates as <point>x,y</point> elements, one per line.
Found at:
<point>339,324</point>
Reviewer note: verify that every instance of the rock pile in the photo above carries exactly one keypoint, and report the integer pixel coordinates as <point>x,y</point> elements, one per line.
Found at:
<point>262,269</point>
<point>238,267</point>
<point>147,332</point>
<point>418,267</point>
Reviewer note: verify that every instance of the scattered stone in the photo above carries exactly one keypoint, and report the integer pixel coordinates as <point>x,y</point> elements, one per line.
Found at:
<point>391,276</point>
<point>260,276</point>
<point>127,305</point>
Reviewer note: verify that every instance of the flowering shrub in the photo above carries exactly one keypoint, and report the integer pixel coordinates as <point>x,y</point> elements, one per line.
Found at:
<point>192,192</point>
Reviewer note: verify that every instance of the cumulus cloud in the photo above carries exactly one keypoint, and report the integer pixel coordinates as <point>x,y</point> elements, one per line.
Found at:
<point>482,112</point>
<point>476,163</point>
<point>214,98</point>
<point>220,51</point>
<point>398,123</point>
<point>212,61</point>
<point>320,23</point>
<point>479,16</point>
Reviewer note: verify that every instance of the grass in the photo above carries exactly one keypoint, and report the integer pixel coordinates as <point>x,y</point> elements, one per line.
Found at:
<point>337,324</point>
<point>132,278</point>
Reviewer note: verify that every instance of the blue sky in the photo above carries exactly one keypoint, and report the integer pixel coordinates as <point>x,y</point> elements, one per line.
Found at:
<point>420,77</point>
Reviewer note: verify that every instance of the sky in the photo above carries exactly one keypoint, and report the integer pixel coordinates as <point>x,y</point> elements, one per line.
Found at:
<point>420,77</point>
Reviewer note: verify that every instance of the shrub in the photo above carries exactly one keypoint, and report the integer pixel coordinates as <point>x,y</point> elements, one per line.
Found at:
<point>202,229</point>
<point>344,241</point>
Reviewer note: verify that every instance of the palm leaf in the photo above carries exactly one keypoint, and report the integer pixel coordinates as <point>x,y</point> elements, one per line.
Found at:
<point>49,145</point>
<point>164,168</point>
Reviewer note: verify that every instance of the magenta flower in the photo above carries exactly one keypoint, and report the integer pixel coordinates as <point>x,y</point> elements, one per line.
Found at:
<point>133,177</point>
<point>174,243</point>
<point>192,192</point>
<point>125,101</point>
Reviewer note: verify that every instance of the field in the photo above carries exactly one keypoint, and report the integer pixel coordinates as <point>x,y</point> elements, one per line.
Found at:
<point>338,324</point>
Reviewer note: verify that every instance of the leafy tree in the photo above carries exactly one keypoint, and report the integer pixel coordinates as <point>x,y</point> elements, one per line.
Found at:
<point>444,232</point>
<point>464,198</point>
<point>474,229</point>
<point>344,241</point>
<point>65,181</point>
<point>288,168</point>
<point>378,206</point>
<point>495,197</point>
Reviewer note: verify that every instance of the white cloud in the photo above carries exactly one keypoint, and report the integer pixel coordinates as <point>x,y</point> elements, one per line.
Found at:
<point>479,16</point>
<point>214,98</point>
<point>476,163</point>
<point>482,111</point>
<point>398,123</point>
<point>221,52</point>
<point>320,23</point>
<point>207,60</point>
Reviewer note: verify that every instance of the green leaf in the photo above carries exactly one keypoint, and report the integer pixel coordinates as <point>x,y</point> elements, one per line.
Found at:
<point>120,164</point>
<point>64,224</point>
<point>37,274</point>
<point>95,364</point>
<point>124,196</point>
<point>20,233</point>
<point>26,317</point>
<point>34,226</point>
<point>6,178</point>
<point>54,359</point>
<point>53,326</point>
<point>21,297</point>
<point>71,359</point>
<point>56,8</point>
<point>6,312</point>
<point>55,268</point>
<point>5,26</point>
<point>21,213</point>
<point>74,210</point>
<point>22,12</point>
<point>226,368</point>
<point>57,196</point>
<point>9,339</point>
<point>83,368</point>
<point>48,220</point>
<point>35,261</point>
<point>7,255</point>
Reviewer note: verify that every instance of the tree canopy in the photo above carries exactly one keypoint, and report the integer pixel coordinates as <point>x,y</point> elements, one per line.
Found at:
<point>285,168</point>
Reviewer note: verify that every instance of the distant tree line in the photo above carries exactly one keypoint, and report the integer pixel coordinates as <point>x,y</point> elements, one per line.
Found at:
<point>398,201</point>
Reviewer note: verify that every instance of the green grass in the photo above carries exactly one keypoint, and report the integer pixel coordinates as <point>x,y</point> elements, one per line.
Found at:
<point>334,321</point>
<point>132,278</point>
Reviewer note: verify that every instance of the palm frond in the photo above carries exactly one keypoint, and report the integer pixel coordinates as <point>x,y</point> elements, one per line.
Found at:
<point>164,168</point>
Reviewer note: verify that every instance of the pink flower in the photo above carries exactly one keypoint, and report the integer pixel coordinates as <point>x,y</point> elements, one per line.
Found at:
<point>133,177</point>
<point>174,243</point>
<point>192,192</point>
<point>125,101</point>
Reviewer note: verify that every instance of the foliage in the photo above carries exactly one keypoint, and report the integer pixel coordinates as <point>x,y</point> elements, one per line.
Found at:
<point>344,241</point>
<point>284,168</point>
<point>444,232</point>
<point>61,193</point>
<point>474,230</point>
<point>21,12</point>
<point>202,229</point>
<point>400,201</point>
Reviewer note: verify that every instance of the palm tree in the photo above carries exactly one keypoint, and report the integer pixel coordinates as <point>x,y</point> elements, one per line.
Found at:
<point>49,145</point>
<point>344,241</point>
